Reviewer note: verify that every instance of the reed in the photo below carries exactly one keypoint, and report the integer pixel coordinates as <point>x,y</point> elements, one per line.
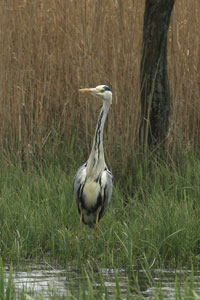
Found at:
<point>49,49</point>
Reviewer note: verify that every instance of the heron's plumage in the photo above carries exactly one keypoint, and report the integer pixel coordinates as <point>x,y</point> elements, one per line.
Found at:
<point>91,194</point>
<point>93,180</point>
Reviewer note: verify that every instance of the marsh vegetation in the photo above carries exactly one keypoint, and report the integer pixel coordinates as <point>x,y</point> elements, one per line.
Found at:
<point>49,49</point>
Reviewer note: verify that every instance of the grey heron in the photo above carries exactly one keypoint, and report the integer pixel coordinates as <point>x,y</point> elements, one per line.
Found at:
<point>93,180</point>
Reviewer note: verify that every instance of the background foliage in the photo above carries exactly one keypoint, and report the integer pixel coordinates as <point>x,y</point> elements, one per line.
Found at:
<point>49,49</point>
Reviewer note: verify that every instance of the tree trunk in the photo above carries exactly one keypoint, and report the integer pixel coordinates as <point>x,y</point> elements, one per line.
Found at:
<point>155,96</point>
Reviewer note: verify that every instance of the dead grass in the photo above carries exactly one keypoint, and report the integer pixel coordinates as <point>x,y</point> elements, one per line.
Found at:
<point>51,48</point>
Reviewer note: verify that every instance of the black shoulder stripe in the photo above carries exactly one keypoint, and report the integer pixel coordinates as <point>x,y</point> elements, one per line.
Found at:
<point>108,171</point>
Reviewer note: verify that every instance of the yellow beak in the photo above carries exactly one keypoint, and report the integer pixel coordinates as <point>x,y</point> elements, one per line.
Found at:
<point>88,90</point>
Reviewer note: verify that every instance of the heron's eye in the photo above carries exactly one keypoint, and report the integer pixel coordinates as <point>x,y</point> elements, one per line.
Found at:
<point>102,91</point>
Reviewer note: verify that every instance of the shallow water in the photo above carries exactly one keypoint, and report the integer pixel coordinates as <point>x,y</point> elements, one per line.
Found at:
<point>43,279</point>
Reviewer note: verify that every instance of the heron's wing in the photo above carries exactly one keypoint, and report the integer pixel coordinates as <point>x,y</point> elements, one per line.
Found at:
<point>107,183</point>
<point>79,180</point>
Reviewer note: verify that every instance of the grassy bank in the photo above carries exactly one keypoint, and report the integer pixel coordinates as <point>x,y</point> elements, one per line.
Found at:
<point>158,224</point>
<point>50,49</point>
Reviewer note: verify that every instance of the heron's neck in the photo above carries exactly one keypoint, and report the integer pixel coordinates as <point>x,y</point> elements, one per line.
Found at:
<point>96,161</point>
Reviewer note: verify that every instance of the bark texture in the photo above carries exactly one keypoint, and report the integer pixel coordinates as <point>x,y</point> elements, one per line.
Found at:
<point>155,95</point>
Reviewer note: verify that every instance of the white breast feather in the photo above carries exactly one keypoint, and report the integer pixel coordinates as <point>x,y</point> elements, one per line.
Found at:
<point>91,192</point>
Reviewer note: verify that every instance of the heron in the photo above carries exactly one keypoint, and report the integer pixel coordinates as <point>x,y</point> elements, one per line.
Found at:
<point>93,180</point>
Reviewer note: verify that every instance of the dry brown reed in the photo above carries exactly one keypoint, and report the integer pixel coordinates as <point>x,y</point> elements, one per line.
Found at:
<point>51,48</point>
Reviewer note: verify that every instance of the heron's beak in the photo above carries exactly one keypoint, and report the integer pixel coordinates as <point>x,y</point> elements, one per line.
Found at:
<point>88,90</point>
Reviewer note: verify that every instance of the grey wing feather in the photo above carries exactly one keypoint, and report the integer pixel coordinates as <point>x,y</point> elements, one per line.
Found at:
<point>79,179</point>
<point>109,186</point>
<point>107,190</point>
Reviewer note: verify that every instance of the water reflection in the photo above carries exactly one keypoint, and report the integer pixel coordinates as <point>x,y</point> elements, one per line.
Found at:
<point>165,280</point>
<point>40,280</point>
<point>47,281</point>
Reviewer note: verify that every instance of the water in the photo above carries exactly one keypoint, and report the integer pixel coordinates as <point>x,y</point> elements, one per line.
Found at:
<point>43,279</point>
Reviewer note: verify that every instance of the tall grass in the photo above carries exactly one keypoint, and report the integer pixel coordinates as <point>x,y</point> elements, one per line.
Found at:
<point>49,49</point>
<point>158,223</point>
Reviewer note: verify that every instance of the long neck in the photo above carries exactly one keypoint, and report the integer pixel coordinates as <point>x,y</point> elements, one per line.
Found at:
<point>96,161</point>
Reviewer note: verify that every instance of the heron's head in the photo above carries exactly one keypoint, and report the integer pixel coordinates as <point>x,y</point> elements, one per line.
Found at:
<point>100,91</point>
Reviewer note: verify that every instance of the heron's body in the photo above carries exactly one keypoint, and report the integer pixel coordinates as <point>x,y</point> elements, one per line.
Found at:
<point>93,180</point>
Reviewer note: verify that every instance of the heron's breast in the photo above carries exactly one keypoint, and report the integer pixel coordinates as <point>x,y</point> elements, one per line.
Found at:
<point>91,191</point>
